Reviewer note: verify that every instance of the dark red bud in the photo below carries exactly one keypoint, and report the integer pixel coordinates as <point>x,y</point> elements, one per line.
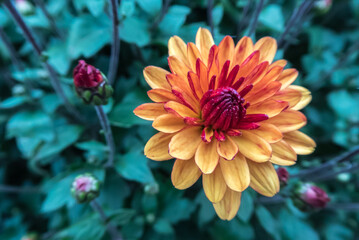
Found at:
<point>283,175</point>
<point>86,76</point>
<point>314,196</point>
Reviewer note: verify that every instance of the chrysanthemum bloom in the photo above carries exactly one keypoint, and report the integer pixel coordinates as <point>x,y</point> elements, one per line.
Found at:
<point>226,113</point>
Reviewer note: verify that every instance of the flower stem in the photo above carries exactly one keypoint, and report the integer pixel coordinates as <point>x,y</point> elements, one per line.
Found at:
<point>243,20</point>
<point>53,76</point>
<point>165,6</point>
<point>115,48</point>
<point>105,123</point>
<point>209,15</point>
<point>13,54</point>
<point>13,189</point>
<point>51,20</point>
<point>115,235</point>
<point>255,17</point>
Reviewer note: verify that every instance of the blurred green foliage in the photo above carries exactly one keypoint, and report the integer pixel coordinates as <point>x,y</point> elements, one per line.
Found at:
<point>44,148</point>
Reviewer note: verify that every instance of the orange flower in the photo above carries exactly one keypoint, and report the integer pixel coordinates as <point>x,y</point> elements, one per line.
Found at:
<point>226,113</point>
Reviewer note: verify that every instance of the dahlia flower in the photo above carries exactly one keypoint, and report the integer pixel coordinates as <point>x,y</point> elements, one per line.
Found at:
<point>226,113</point>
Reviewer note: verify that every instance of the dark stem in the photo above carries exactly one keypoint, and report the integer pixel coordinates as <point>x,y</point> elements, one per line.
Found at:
<point>13,189</point>
<point>112,230</point>
<point>343,206</point>
<point>296,17</point>
<point>243,20</point>
<point>15,58</point>
<point>165,6</point>
<point>333,174</point>
<point>115,48</point>
<point>305,174</point>
<point>209,15</point>
<point>51,20</point>
<point>53,76</point>
<point>105,124</point>
<point>257,11</point>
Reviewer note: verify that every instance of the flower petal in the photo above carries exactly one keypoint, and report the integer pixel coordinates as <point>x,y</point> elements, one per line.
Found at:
<point>243,49</point>
<point>267,46</point>
<point>236,173</point>
<point>300,142</point>
<point>168,123</point>
<point>283,154</point>
<point>179,109</point>
<point>268,132</point>
<point>225,51</point>
<point>149,111</point>
<point>161,95</point>
<point>287,77</point>
<point>228,207</point>
<point>156,77</point>
<point>184,173</point>
<point>193,54</point>
<point>289,95</point>
<point>214,185</point>
<point>264,93</point>
<point>288,120</point>
<point>280,63</point>
<point>184,144</point>
<point>178,67</point>
<point>207,156</point>
<point>204,41</point>
<point>264,178</point>
<point>305,99</point>
<point>253,147</point>
<point>177,47</point>
<point>157,147</point>
<point>248,65</point>
<point>227,149</point>
<point>269,107</point>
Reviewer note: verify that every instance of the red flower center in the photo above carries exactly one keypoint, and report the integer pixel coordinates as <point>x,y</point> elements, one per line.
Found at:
<point>222,108</point>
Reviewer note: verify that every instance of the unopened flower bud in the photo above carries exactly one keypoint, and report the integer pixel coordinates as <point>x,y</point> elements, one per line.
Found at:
<point>283,176</point>
<point>152,188</point>
<point>85,188</point>
<point>91,84</point>
<point>323,6</point>
<point>25,7</point>
<point>309,196</point>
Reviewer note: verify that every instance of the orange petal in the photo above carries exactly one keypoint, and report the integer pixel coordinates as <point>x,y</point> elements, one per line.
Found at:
<point>179,109</point>
<point>168,123</point>
<point>202,73</point>
<point>196,85</point>
<point>243,49</point>
<point>283,154</point>
<point>156,77</point>
<point>204,41</point>
<point>270,76</point>
<point>248,65</point>
<point>289,95</point>
<point>184,144</point>
<point>265,93</point>
<point>214,185</point>
<point>269,107</point>
<point>225,51</point>
<point>193,54</point>
<point>161,95</point>
<point>178,67</point>
<point>207,156</point>
<point>177,47</point>
<point>184,173</point>
<point>149,111</point>
<point>256,75</point>
<point>287,77</point>
<point>288,120</point>
<point>305,99</point>
<point>227,149</point>
<point>236,173</point>
<point>267,46</point>
<point>300,142</point>
<point>253,147</point>
<point>280,63</point>
<point>264,178</point>
<point>228,207</point>
<point>157,147</point>
<point>268,132</point>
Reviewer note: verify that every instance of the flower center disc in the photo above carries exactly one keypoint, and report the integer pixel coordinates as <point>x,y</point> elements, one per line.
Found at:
<point>222,108</point>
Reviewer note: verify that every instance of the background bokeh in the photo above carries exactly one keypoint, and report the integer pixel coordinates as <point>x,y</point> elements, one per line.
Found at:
<point>43,147</point>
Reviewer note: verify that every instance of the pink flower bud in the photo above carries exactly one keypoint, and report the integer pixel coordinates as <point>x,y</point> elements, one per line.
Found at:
<point>283,176</point>
<point>85,188</point>
<point>314,196</point>
<point>87,76</point>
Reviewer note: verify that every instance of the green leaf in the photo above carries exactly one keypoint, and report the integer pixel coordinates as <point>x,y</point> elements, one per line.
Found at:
<point>92,146</point>
<point>163,226</point>
<point>272,17</point>
<point>134,30</point>
<point>246,209</point>
<point>174,19</point>
<point>59,59</point>
<point>88,35</point>
<point>50,102</point>
<point>13,102</point>
<point>217,14</point>
<point>121,216</point>
<point>152,7</point>
<point>96,7</point>
<point>345,104</point>
<point>267,221</point>
<point>206,211</point>
<point>232,230</point>
<point>133,166</point>
<point>178,210</point>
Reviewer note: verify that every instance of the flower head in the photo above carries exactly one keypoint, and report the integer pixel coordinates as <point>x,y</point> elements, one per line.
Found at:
<point>85,188</point>
<point>313,196</point>
<point>283,176</point>
<point>226,113</point>
<point>91,84</point>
